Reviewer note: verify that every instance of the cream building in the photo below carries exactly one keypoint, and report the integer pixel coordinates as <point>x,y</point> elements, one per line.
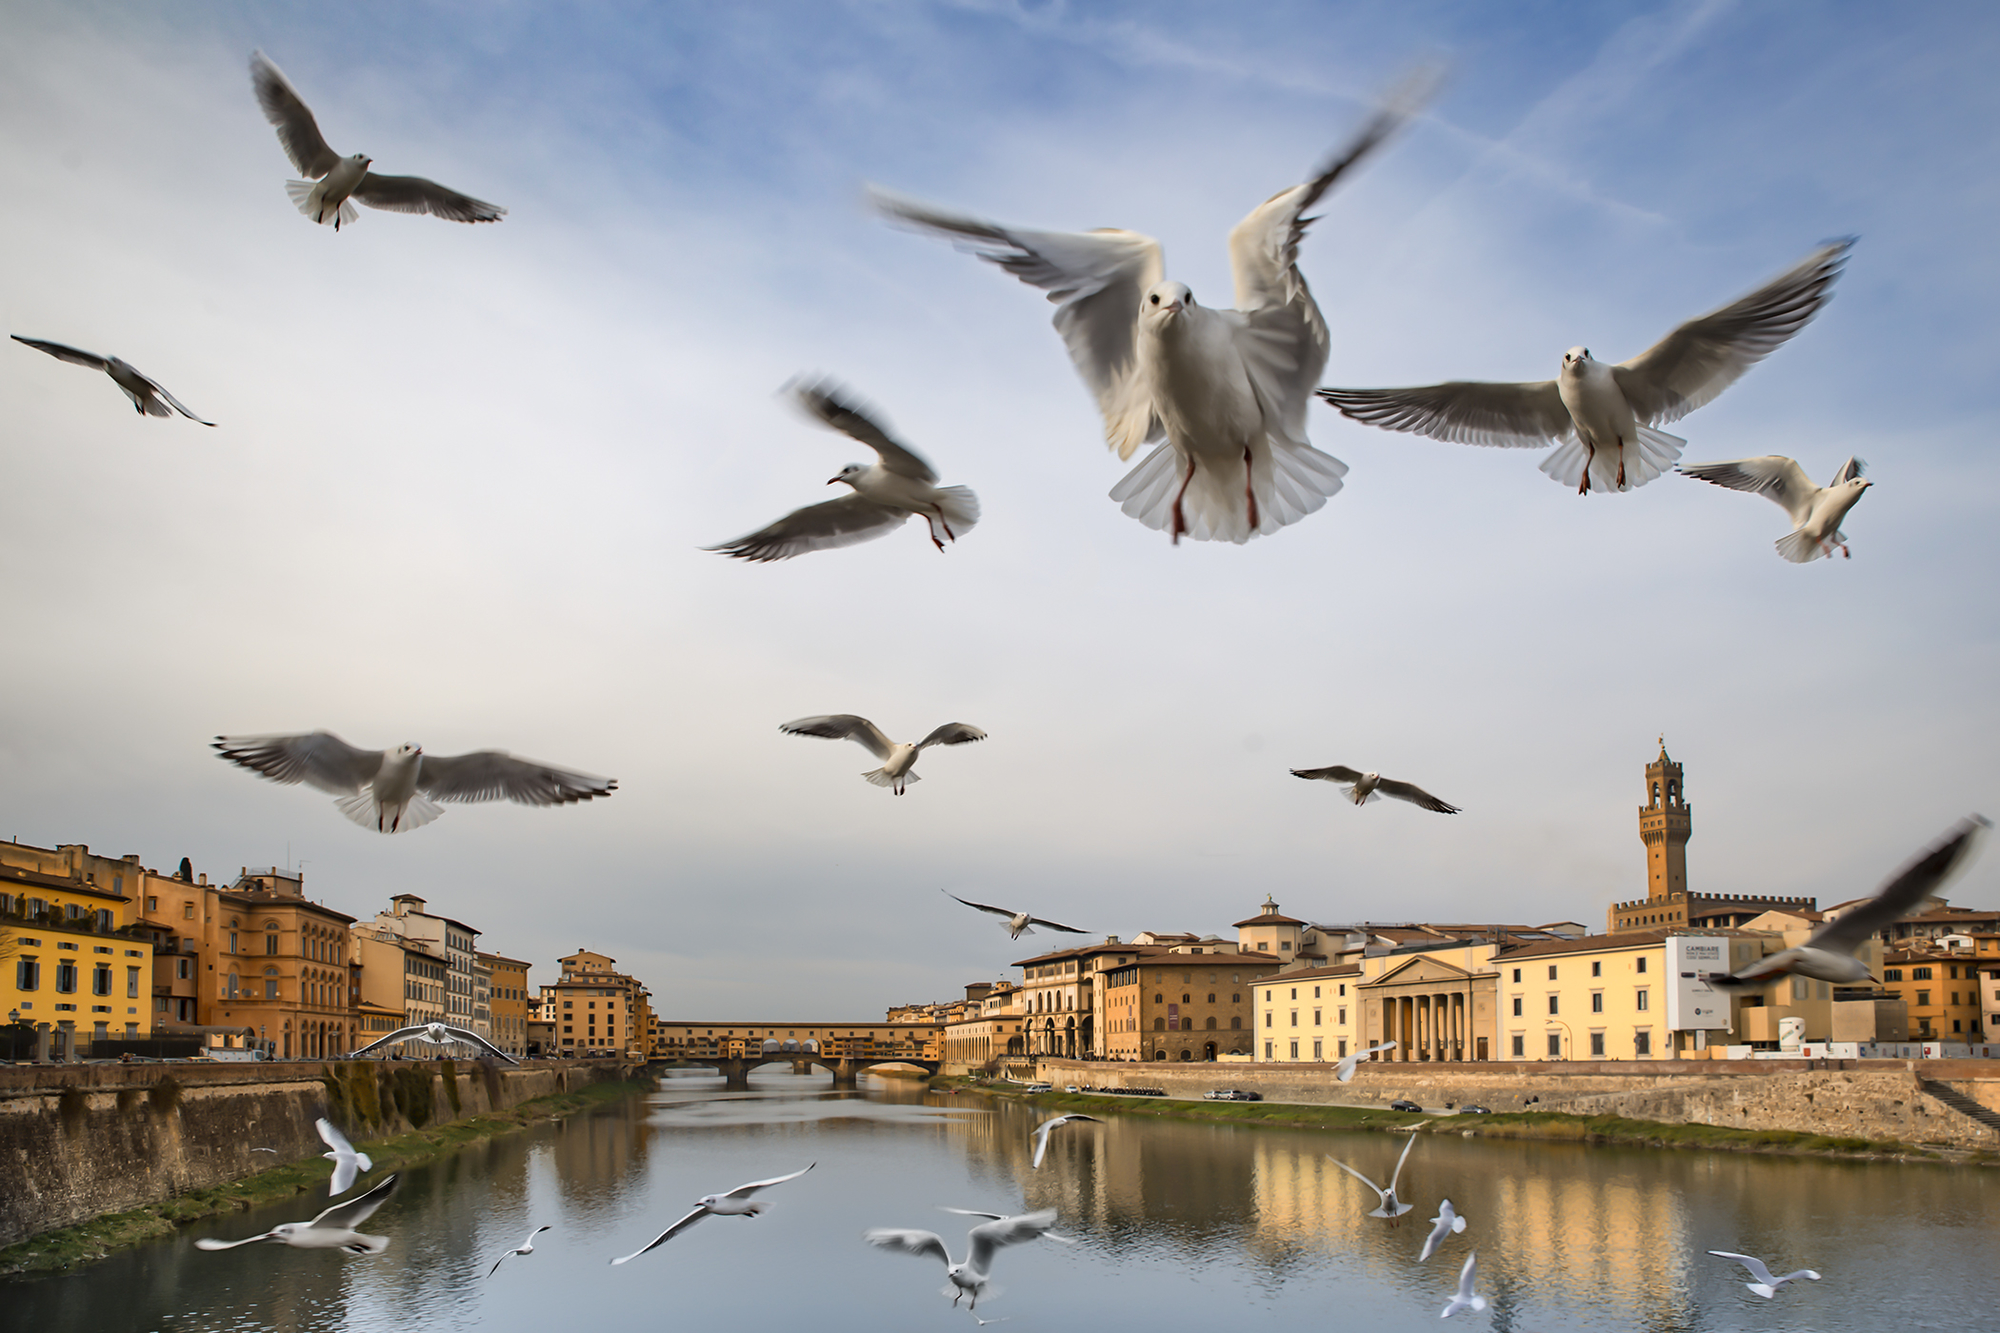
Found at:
<point>512,1002</point>
<point>991,1025</point>
<point>456,943</point>
<point>595,1007</point>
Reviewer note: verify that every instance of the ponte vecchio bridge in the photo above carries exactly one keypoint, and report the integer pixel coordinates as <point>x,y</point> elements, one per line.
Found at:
<point>734,1048</point>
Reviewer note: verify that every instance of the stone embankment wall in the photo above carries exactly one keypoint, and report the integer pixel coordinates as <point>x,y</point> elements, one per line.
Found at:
<point>79,1141</point>
<point>1876,1099</point>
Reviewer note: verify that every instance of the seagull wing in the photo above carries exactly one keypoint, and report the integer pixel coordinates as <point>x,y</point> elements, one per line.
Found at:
<point>666,1235</point>
<point>1773,475</point>
<point>1702,357</point>
<point>207,1244</point>
<point>493,775</point>
<point>1331,773</point>
<point>1849,470</point>
<point>1098,278</point>
<point>745,1191</point>
<point>988,1237</point>
<point>285,109</point>
<point>1906,891</point>
<point>844,727</point>
<point>952,733</point>
<point>1056,925</point>
<point>983,907</point>
<point>1357,1175</point>
<point>414,194</point>
<point>909,1242</point>
<point>76,356</point>
<point>471,1038</point>
<point>1508,416</point>
<point>346,1163</point>
<point>174,402</point>
<point>848,521</point>
<point>1398,1173</point>
<point>1415,795</point>
<point>400,1034</point>
<point>833,406</point>
<point>349,1215</point>
<point>1749,1261</point>
<point>320,759</point>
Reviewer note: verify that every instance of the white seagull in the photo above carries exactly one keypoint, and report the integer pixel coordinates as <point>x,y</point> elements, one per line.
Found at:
<point>1344,1071</point>
<point>347,1163</point>
<point>1463,1299</point>
<point>898,757</point>
<point>1603,417</point>
<point>1223,393</point>
<point>1018,923</point>
<point>148,398</point>
<point>985,1240</point>
<point>437,1034</point>
<point>1446,1223</point>
<point>735,1203</point>
<point>885,494</point>
<point>1390,1207</point>
<point>1765,1285</point>
<point>1816,510</point>
<point>333,1229</point>
<point>1828,954</point>
<point>393,790</point>
<point>1042,1131</point>
<point>525,1247</point>
<point>1365,787</point>
<point>341,180</point>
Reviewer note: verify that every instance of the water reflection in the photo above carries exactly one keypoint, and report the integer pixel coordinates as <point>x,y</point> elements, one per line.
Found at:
<point>1178,1225</point>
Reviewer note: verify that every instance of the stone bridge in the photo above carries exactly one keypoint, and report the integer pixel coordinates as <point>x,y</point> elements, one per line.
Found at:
<point>844,1050</point>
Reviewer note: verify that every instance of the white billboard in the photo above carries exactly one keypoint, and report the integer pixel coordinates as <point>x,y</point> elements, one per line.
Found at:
<point>1692,1003</point>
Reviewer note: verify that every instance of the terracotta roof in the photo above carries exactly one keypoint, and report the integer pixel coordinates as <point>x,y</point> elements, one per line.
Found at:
<point>60,882</point>
<point>1272,919</point>
<point>1310,974</point>
<point>1085,950</point>
<point>1624,939</point>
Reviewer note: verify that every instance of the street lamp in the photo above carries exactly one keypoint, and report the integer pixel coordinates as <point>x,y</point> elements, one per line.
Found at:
<point>1566,1033</point>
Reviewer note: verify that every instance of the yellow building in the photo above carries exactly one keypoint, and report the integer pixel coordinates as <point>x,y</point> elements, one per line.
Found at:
<point>1940,988</point>
<point>989,1026</point>
<point>282,965</point>
<point>595,1007</point>
<point>1181,1006</point>
<point>510,1002</point>
<point>69,958</point>
<point>1307,1016</point>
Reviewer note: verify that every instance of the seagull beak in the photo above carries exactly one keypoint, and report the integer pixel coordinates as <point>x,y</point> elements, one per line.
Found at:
<point>832,480</point>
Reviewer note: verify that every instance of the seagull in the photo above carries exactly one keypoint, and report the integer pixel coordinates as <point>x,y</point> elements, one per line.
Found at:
<point>1344,1071</point>
<point>1222,393</point>
<point>1448,1222</point>
<point>1603,417</point>
<point>1364,787</point>
<point>1765,1285</point>
<point>273,1150</point>
<point>525,1247</point>
<point>347,1163</point>
<point>1042,1131</point>
<point>1018,923</point>
<point>341,180</point>
<point>1828,954</point>
<point>735,1203</point>
<point>1816,510</point>
<point>1464,1299</point>
<point>983,1241</point>
<point>437,1034</point>
<point>331,1230</point>
<point>885,493</point>
<point>897,757</point>
<point>148,398</point>
<point>1391,1207</point>
<point>393,790</point>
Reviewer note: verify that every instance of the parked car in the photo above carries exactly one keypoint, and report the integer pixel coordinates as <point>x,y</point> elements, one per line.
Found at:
<point>1232,1095</point>
<point>1404,1104</point>
<point>1038,1087</point>
<point>1072,1088</point>
<point>1474,1110</point>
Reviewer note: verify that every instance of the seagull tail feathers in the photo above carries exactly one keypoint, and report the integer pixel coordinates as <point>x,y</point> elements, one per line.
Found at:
<point>302,197</point>
<point>881,778</point>
<point>363,809</point>
<point>1477,1303</point>
<point>1457,1225</point>
<point>1800,548</point>
<point>1762,1290</point>
<point>961,508</point>
<point>1289,478</point>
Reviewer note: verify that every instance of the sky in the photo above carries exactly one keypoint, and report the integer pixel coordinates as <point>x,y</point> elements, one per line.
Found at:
<point>462,474</point>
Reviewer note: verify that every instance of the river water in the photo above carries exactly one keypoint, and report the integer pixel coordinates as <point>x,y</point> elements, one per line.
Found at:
<point>1177,1226</point>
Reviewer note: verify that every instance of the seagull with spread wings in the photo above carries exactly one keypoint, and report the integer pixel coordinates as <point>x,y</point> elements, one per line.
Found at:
<point>885,494</point>
<point>148,398</point>
<point>437,1034</point>
<point>1446,1223</point>
<point>1816,510</point>
<point>347,1163</point>
<point>983,1242</point>
<point>1463,1298</point>
<point>1041,1132</point>
<point>1390,1207</point>
<point>898,757</point>
<point>1221,393</point>
<point>1766,1284</point>
<point>1365,787</point>
<point>1603,418</point>
<point>393,790</point>
<point>333,1229</point>
<point>1344,1071</point>
<point>334,182</point>
<point>1018,923</point>
<point>735,1203</point>
<point>525,1247</point>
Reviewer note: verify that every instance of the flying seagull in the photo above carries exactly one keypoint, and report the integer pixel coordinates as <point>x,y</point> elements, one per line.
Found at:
<point>897,757</point>
<point>1816,510</point>
<point>1603,417</point>
<point>347,1163</point>
<point>1463,1299</point>
<point>1391,1207</point>
<point>437,1034</point>
<point>983,1242</point>
<point>393,790</point>
<point>1042,1131</point>
<point>148,398</point>
<point>1828,954</point>
<point>885,494</point>
<point>341,180</point>
<point>525,1247</point>
<point>1222,393</point>
<point>333,1229</point>
<point>736,1203</point>
<point>1447,1223</point>
<point>1344,1071</point>
<point>1765,1285</point>
<point>1018,923</point>
<point>1365,787</point>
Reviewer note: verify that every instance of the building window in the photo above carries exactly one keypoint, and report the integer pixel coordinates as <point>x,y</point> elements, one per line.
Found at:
<point>27,974</point>
<point>1597,1045</point>
<point>1597,1001</point>
<point>1159,1025</point>
<point>1642,964</point>
<point>187,911</point>
<point>1295,1050</point>
<point>1267,1050</point>
<point>1643,1000</point>
<point>1552,971</point>
<point>1553,999</point>
<point>1520,1046</point>
<point>66,978</point>
<point>1267,1018</point>
<point>1316,1049</point>
<point>100,980</point>
<point>1642,1043</point>
<point>1555,1046</point>
<point>131,983</point>
<point>1920,974</point>
<point>1923,996</point>
<point>1596,969</point>
<point>1517,1006</point>
<point>1295,1018</point>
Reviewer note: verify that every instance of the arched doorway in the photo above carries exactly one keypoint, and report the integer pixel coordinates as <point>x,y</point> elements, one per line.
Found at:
<point>1208,1052</point>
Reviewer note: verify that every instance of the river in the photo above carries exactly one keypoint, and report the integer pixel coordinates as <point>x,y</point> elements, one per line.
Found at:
<point>1177,1226</point>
